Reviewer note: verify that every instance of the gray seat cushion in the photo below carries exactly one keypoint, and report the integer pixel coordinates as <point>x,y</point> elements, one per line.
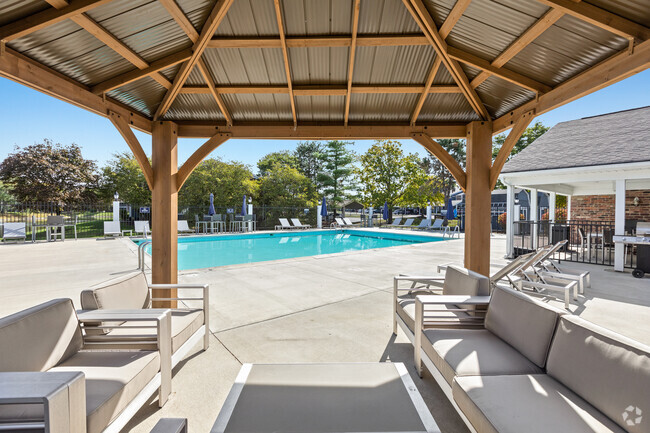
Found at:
<point>406,311</point>
<point>113,379</point>
<point>469,352</point>
<point>526,403</point>
<point>524,323</point>
<point>608,370</point>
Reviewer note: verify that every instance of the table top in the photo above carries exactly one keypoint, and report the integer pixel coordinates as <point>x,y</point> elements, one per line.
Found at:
<point>324,398</point>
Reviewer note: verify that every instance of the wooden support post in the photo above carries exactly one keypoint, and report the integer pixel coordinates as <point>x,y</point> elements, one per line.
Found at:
<point>164,200</point>
<point>478,197</point>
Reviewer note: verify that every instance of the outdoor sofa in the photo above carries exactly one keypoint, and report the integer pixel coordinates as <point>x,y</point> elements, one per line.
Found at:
<point>189,325</point>
<point>533,368</point>
<point>40,343</point>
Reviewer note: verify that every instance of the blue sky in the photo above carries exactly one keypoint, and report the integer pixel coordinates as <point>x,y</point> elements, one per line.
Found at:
<point>27,117</point>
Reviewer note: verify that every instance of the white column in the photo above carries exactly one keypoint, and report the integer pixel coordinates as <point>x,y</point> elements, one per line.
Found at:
<point>568,207</point>
<point>551,207</point>
<point>370,216</point>
<point>116,211</point>
<point>619,225</point>
<point>534,217</point>
<point>429,211</point>
<point>510,221</point>
<point>319,217</point>
<point>250,212</point>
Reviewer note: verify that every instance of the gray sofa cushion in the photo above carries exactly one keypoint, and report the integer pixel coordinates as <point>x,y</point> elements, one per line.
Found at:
<point>523,322</point>
<point>40,337</point>
<point>608,370</point>
<point>469,352</point>
<point>526,403</point>
<point>129,291</point>
<point>113,379</point>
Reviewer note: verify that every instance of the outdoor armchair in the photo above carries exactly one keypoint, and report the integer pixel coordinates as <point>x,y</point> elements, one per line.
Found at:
<point>14,231</point>
<point>112,229</point>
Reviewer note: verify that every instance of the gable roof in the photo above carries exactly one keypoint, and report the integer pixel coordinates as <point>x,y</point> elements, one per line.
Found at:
<point>613,138</point>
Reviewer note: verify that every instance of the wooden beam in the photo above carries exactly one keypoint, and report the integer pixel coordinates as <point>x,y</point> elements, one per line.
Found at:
<point>203,69</point>
<point>515,134</point>
<point>427,25</point>
<point>124,129</point>
<point>425,91</point>
<point>318,90</point>
<point>506,74</point>
<point>478,197</point>
<point>609,71</point>
<point>214,19</point>
<point>320,41</point>
<point>320,131</point>
<point>137,74</point>
<point>46,18</point>
<point>443,156</point>
<point>177,14</point>
<point>532,33</point>
<point>26,71</point>
<point>199,155</point>
<point>454,15</point>
<point>285,57</point>
<point>353,48</point>
<point>601,18</point>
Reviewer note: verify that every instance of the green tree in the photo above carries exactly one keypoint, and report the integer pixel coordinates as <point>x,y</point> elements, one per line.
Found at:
<point>387,175</point>
<point>309,156</point>
<point>531,134</point>
<point>228,181</point>
<point>336,173</point>
<point>285,186</point>
<point>284,157</point>
<point>122,174</point>
<point>442,180</point>
<point>5,195</point>
<point>48,172</point>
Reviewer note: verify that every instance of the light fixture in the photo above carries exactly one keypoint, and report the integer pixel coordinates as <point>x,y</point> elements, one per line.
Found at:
<point>250,200</point>
<point>116,196</point>
<point>636,201</point>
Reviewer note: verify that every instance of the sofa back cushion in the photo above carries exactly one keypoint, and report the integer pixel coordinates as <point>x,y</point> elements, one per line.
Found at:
<point>609,371</point>
<point>40,337</point>
<point>463,282</point>
<point>523,322</point>
<point>127,292</point>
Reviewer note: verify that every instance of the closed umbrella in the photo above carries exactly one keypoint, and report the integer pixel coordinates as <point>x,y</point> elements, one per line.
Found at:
<point>385,211</point>
<point>211,211</point>
<point>450,211</point>
<point>323,208</point>
<point>243,207</point>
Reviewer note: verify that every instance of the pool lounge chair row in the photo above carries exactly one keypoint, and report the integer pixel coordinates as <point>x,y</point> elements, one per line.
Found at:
<point>342,222</point>
<point>108,358</point>
<point>451,228</point>
<point>113,229</point>
<point>285,225</point>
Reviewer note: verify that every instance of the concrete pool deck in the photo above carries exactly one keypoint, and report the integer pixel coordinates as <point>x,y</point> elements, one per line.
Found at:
<point>333,308</point>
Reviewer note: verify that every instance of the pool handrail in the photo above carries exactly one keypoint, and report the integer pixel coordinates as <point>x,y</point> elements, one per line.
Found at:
<point>141,254</point>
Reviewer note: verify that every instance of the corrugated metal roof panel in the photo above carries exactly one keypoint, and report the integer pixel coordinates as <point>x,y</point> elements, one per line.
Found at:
<point>142,95</point>
<point>440,107</point>
<point>195,78</point>
<point>443,76</point>
<point>194,107</point>
<point>319,65</point>
<point>245,66</point>
<point>500,96</point>
<point>13,10</point>
<point>263,108</point>
<point>196,11</point>
<point>320,108</point>
<point>249,18</point>
<point>317,17</point>
<point>171,72</point>
<point>392,65</point>
<point>95,67</point>
<point>381,107</point>
<point>634,10</point>
<point>385,16</point>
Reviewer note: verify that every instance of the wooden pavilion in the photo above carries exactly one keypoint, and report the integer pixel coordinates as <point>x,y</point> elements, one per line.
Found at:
<point>321,69</point>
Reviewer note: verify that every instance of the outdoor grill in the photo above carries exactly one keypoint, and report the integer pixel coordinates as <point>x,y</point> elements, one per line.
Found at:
<point>642,249</point>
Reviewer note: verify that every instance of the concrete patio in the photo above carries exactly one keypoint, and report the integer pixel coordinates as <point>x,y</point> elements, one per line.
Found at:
<point>313,309</point>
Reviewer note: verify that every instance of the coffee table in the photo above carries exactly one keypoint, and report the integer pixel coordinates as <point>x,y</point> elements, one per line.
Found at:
<point>324,398</point>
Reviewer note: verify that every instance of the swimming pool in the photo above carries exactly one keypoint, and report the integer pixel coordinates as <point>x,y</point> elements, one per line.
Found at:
<point>210,251</point>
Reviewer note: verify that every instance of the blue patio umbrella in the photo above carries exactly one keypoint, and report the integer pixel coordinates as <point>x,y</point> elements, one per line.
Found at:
<point>450,211</point>
<point>323,209</point>
<point>211,211</point>
<point>243,207</point>
<point>386,211</point>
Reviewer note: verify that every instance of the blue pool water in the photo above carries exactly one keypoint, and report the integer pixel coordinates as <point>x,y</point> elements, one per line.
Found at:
<point>210,251</point>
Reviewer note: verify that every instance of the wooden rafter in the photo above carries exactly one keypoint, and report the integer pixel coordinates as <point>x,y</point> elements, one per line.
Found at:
<point>609,71</point>
<point>177,14</point>
<point>131,76</point>
<point>205,71</point>
<point>454,15</point>
<point>424,20</point>
<point>353,48</point>
<point>214,19</point>
<point>601,18</point>
<point>515,134</point>
<point>320,41</point>
<point>329,90</point>
<point>426,90</point>
<point>46,18</point>
<point>125,130</point>
<point>506,74</point>
<point>533,32</point>
<point>285,56</point>
<point>443,156</point>
<point>199,155</point>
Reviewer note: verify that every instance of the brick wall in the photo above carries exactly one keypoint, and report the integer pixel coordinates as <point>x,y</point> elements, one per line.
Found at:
<point>601,207</point>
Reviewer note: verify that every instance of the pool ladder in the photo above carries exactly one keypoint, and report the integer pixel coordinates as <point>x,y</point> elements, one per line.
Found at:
<point>141,254</point>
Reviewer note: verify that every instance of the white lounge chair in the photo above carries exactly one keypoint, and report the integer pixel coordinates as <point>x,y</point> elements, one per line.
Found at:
<point>297,224</point>
<point>142,227</point>
<point>424,225</point>
<point>14,231</point>
<point>408,223</point>
<point>112,229</point>
<point>547,268</point>
<point>284,224</point>
<point>347,222</point>
<point>437,225</point>
<point>184,228</point>
<point>338,222</point>
<point>395,224</point>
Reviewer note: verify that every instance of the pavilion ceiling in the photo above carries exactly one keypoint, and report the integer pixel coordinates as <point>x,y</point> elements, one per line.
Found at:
<point>325,61</point>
